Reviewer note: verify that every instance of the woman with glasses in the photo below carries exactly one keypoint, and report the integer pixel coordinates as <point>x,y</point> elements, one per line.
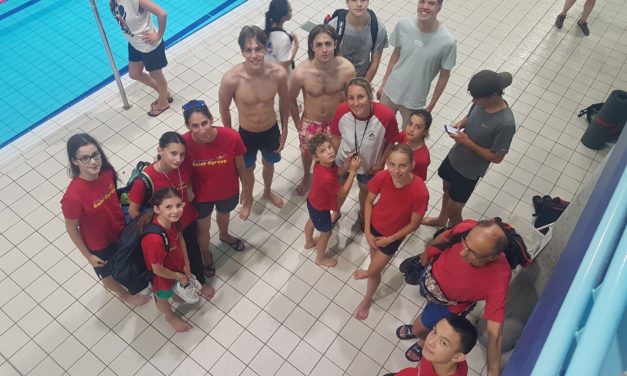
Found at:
<point>216,156</point>
<point>365,128</point>
<point>402,202</point>
<point>90,205</point>
<point>170,171</point>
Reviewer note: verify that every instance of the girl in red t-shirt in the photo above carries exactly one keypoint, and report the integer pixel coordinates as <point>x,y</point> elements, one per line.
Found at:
<point>170,171</point>
<point>403,199</point>
<point>168,265</point>
<point>416,130</point>
<point>90,205</point>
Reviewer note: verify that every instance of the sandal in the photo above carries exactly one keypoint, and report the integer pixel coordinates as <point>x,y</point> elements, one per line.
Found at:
<point>408,334</point>
<point>157,111</point>
<point>153,104</point>
<point>238,245</point>
<point>209,270</point>
<point>414,351</point>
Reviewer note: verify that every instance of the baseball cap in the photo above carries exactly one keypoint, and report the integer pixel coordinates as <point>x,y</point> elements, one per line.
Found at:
<point>487,82</point>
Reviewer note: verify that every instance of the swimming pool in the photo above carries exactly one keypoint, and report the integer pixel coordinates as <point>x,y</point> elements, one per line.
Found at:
<point>52,55</point>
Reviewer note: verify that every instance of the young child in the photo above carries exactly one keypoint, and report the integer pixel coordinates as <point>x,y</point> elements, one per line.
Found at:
<point>323,196</point>
<point>446,346</point>
<point>168,266</point>
<point>416,130</point>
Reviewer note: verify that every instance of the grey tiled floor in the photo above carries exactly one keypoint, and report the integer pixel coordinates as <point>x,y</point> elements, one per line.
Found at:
<point>275,311</point>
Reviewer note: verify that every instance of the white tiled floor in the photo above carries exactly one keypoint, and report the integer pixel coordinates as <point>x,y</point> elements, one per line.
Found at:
<point>275,311</point>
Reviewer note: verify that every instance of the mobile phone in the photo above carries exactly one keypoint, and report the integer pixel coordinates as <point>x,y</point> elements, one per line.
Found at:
<point>450,130</point>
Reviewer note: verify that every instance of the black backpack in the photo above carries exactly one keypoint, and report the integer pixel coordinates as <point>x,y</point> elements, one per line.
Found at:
<point>548,210</point>
<point>128,265</point>
<point>340,14</point>
<point>591,112</point>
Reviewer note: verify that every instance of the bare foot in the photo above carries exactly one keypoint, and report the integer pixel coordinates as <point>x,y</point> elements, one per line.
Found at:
<point>275,199</point>
<point>360,274</point>
<point>207,292</point>
<point>328,262</point>
<point>435,221</point>
<point>244,212</point>
<point>135,300</point>
<point>309,245</point>
<point>177,323</point>
<point>304,185</point>
<point>363,309</point>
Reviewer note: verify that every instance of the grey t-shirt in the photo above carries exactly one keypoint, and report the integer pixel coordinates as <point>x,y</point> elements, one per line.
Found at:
<point>357,44</point>
<point>494,131</point>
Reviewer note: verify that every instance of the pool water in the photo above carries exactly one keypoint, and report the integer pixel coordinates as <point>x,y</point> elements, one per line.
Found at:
<point>52,55</point>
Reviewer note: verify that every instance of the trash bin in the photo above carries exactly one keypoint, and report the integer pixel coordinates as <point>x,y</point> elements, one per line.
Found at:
<point>609,121</point>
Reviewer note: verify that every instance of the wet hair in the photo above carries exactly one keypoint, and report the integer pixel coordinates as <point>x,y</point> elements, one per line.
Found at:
<point>425,115</point>
<point>403,149</point>
<point>318,29</point>
<point>83,139</point>
<point>316,141</point>
<point>195,106</point>
<point>252,32</point>
<point>500,241</point>
<point>170,138</point>
<point>277,10</point>
<point>363,83</point>
<point>467,332</point>
<point>157,199</point>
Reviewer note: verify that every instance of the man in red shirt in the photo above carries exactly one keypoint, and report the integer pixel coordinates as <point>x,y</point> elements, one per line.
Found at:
<point>445,349</point>
<point>471,270</point>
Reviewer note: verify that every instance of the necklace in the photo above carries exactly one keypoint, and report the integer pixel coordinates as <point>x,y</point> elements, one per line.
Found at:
<point>180,187</point>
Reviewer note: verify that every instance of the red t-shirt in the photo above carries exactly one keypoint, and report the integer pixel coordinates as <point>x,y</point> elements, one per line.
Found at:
<point>179,179</point>
<point>96,206</point>
<point>463,282</point>
<point>426,369</point>
<point>215,175</point>
<point>324,188</point>
<point>395,206</point>
<point>154,253</point>
<point>422,159</point>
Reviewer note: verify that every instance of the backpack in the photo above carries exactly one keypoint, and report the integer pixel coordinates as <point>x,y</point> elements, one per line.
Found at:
<point>289,36</point>
<point>591,112</point>
<point>128,265</point>
<point>340,14</point>
<point>548,210</point>
<point>122,192</point>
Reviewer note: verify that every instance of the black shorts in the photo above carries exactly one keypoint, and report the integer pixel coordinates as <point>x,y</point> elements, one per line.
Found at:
<point>153,60</point>
<point>223,206</point>
<point>321,219</point>
<point>389,249</point>
<point>266,141</point>
<point>105,255</point>
<point>460,187</point>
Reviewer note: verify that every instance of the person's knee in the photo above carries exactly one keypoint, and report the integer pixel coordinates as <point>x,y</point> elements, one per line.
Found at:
<point>135,73</point>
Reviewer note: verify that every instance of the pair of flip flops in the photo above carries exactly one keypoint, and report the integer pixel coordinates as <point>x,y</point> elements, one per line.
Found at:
<point>414,353</point>
<point>158,111</point>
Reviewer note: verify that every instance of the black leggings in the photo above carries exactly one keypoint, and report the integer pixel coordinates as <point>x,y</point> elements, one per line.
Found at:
<point>193,252</point>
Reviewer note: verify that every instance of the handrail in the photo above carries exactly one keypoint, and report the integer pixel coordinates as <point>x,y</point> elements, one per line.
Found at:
<point>605,317</point>
<point>559,342</point>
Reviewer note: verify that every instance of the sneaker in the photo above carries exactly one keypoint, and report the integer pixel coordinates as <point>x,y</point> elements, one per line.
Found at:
<point>559,21</point>
<point>584,27</point>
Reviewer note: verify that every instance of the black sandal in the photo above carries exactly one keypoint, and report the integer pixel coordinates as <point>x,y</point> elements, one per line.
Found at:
<point>209,270</point>
<point>414,350</point>
<point>238,245</point>
<point>408,333</point>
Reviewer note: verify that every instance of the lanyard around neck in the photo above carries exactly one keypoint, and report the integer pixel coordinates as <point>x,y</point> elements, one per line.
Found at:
<point>357,146</point>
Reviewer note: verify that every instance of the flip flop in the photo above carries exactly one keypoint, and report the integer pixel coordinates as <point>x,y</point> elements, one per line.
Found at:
<point>153,104</point>
<point>408,333</point>
<point>209,270</point>
<point>414,350</point>
<point>156,112</point>
<point>238,245</point>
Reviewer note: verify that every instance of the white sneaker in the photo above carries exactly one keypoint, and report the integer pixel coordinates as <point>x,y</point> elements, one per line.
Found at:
<point>190,293</point>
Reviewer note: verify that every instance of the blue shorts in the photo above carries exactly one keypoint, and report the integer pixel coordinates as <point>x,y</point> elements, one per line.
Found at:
<point>266,141</point>
<point>321,219</point>
<point>362,179</point>
<point>105,255</point>
<point>153,60</point>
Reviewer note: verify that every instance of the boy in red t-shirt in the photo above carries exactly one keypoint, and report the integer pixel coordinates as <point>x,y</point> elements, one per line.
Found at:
<point>446,346</point>
<point>416,130</point>
<point>323,196</point>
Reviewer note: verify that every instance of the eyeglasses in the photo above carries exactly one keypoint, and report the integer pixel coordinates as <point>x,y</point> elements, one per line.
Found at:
<point>87,158</point>
<point>474,253</point>
<point>193,104</point>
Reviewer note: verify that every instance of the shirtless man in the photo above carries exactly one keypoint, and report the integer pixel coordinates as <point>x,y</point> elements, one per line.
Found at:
<point>253,85</point>
<point>321,78</point>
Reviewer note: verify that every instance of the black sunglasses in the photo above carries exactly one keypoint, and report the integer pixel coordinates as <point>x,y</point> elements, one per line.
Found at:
<point>193,104</point>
